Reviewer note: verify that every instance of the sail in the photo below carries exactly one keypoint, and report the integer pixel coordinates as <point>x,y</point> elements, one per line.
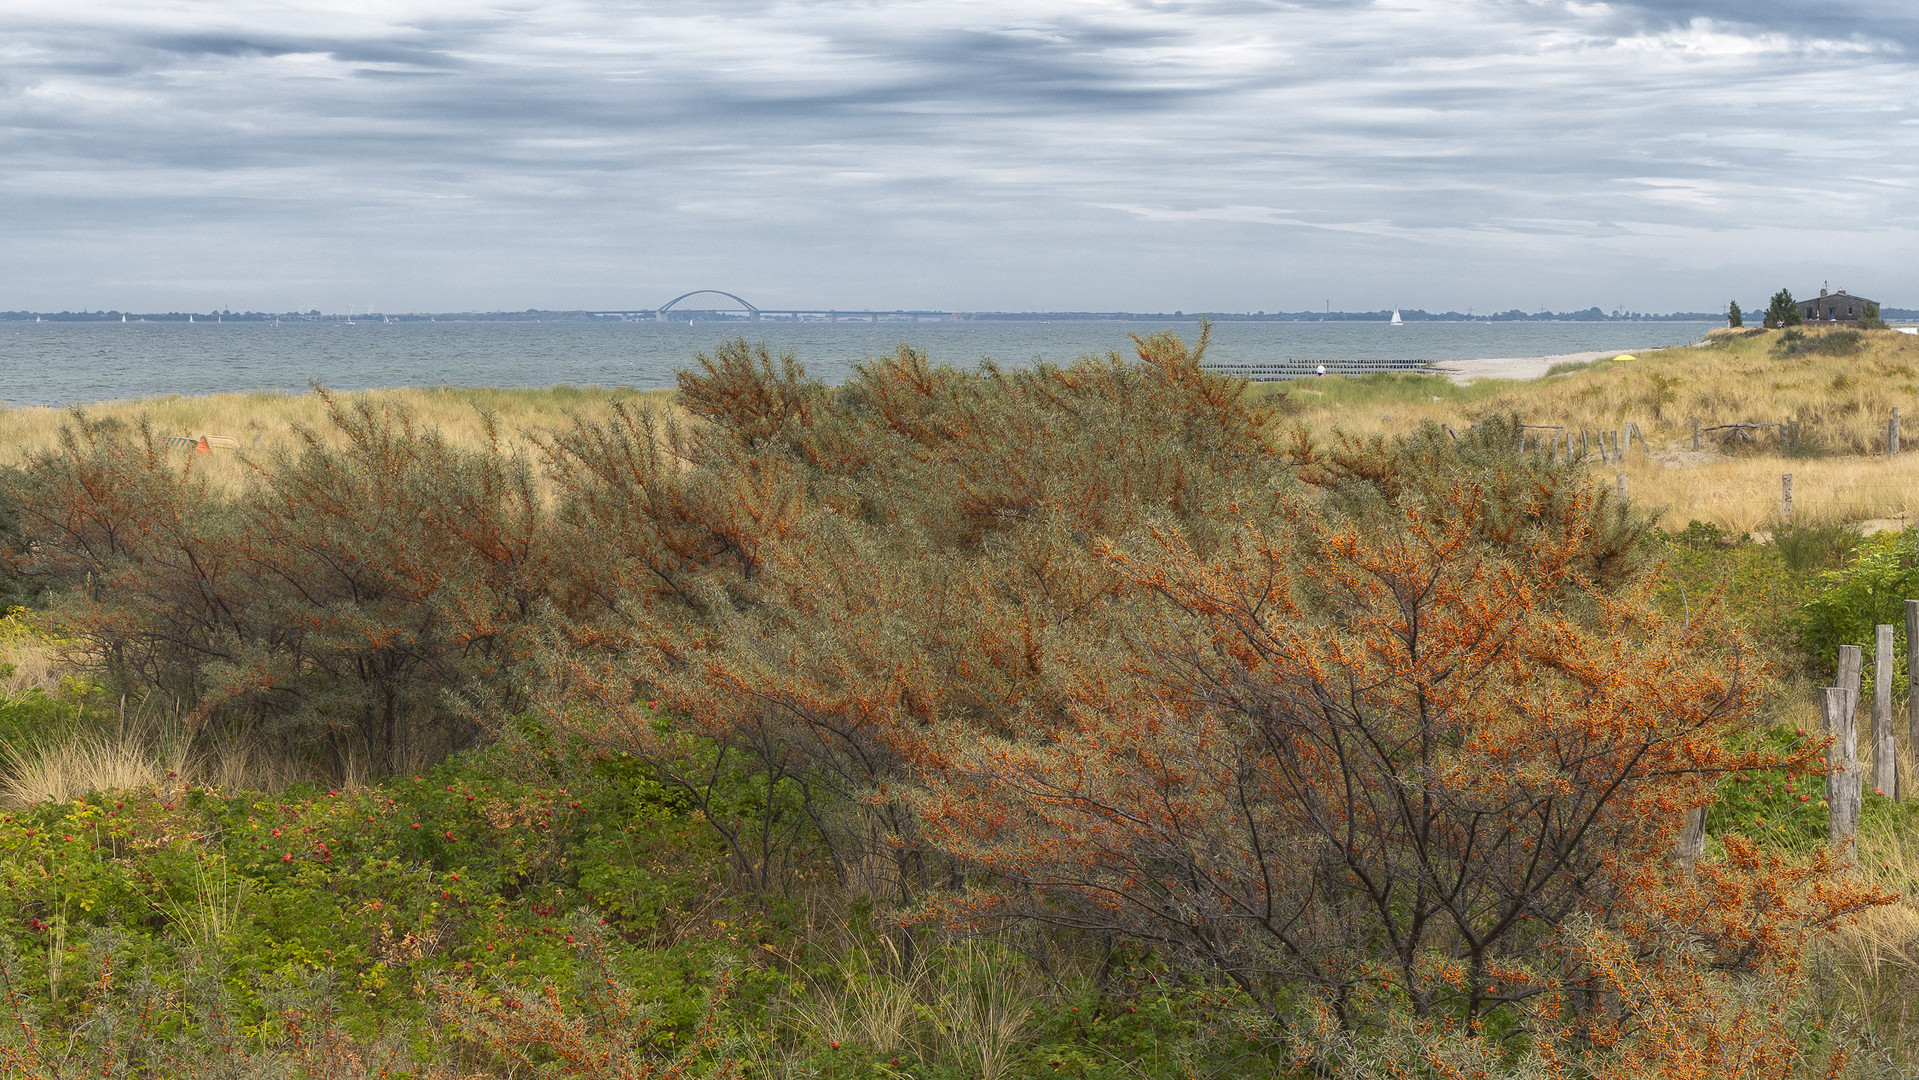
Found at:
<point>1397,321</point>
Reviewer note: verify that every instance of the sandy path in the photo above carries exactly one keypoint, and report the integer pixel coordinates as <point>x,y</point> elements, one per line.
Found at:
<point>1516,367</point>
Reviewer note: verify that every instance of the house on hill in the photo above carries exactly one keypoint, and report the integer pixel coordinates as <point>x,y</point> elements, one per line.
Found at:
<point>1839,307</point>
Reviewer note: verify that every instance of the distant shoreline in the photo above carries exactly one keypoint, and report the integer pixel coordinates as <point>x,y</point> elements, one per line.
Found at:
<point>721,318</point>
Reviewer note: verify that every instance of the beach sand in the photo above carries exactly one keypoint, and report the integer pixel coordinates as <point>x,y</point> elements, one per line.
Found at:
<point>1517,367</point>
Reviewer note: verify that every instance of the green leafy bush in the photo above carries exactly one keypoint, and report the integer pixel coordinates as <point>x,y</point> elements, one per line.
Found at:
<point>1814,545</point>
<point>1871,588</point>
<point>458,872</point>
<point>1829,343</point>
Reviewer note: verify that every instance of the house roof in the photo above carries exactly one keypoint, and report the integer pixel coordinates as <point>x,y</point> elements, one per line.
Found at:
<point>1822,300</point>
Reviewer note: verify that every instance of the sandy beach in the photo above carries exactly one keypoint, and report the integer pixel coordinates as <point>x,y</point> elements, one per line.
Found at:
<point>1517,367</point>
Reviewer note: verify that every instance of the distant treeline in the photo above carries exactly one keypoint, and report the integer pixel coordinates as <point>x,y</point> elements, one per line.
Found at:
<point>296,316</point>
<point>1384,315</point>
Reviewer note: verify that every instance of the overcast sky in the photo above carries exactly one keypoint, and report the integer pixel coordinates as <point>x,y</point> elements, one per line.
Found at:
<point>1031,155</point>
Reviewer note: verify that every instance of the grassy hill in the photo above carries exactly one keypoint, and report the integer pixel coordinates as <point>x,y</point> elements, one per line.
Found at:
<point>1838,389</point>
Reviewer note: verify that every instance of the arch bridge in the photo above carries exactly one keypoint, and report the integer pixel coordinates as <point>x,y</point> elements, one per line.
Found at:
<point>668,306</point>
<point>754,313</point>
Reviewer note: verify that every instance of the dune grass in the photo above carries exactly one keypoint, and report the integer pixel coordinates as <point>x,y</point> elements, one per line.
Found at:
<point>1839,394</point>
<point>263,421</point>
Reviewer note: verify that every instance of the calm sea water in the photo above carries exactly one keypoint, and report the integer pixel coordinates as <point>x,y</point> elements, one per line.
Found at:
<point>71,363</point>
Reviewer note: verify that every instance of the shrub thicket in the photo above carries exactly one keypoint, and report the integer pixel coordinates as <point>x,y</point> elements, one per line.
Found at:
<point>1828,343</point>
<point>1387,733</point>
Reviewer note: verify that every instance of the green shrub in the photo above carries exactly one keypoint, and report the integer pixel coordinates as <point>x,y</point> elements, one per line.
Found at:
<point>458,872</point>
<point>1830,343</point>
<point>1701,534</point>
<point>1814,545</point>
<point>1869,589</point>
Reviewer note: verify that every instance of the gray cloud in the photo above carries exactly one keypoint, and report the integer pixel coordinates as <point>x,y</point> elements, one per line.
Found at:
<point>1231,155</point>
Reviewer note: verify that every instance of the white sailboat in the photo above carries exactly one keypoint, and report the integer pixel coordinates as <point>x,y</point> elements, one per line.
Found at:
<point>1397,321</point>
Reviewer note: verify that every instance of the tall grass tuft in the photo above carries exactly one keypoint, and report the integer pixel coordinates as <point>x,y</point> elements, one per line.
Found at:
<point>957,1004</point>
<point>1865,974</point>
<point>215,908</point>
<point>1814,545</point>
<point>69,769</point>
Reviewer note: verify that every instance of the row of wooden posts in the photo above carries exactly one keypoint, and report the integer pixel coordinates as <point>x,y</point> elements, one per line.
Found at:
<point>1845,779</point>
<point>1562,439</point>
<point>1839,707</point>
<point>1621,438</point>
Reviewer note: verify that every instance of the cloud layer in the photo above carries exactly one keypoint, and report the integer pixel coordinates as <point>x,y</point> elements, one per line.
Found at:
<point>1196,154</point>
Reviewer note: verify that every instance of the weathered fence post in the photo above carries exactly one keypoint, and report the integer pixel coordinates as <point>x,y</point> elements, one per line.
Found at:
<point>1851,662</point>
<point>1892,435</point>
<point>1620,479</point>
<point>1885,748</point>
<point>1785,496</point>
<point>1692,837</point>
<point>1695,433</point>
<point>1912,678</point>
<point>1842,781</point>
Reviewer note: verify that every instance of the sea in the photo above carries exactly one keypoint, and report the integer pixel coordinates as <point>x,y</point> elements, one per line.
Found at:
<point>73,363</point>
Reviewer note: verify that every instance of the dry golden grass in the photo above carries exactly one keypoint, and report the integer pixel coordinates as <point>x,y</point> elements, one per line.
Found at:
<point>261,422</point>
<point>84,762</point>
<point>1841,404</point>
<point>1866,974</point>
<point>73,768</point>
<point>27,660</point>
<point>1743,494</point>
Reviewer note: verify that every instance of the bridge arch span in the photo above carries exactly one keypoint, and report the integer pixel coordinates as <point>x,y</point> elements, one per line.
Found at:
<point>668,306</point>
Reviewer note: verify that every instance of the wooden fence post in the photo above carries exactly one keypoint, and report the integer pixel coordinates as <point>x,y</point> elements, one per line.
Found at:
<point>1885,748</point>
<point>1785,496</point>
<point>1842,781</point>
<point>1620,479</point>
<point>1851,661</point>
<point>1692,837</point>
<point>1695,433</point>
<point>1912,678</point>
<point>1892,435</point>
